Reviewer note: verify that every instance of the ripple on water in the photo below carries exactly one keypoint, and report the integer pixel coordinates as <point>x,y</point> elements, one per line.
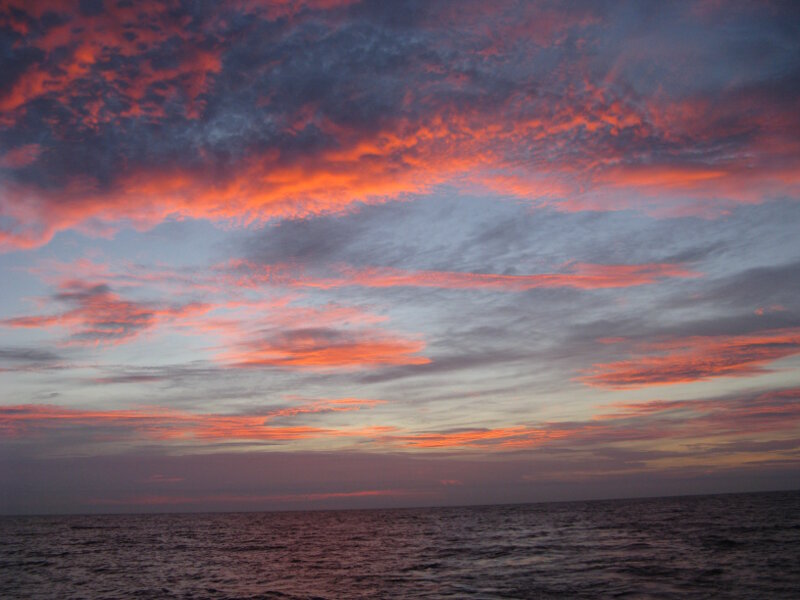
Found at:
<point>731,546</point>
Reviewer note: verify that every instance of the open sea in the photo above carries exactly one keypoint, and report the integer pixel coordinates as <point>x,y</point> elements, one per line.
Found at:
<point>724,546</point>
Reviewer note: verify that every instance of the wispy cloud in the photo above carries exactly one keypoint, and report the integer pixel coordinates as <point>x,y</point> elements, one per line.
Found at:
<point>696,358</point>
<point>577,276</point>
<point>643,422</point>
<point>326,348</point>
<point>154,423</point>
<point>95,314</point>
<point>682,422</point>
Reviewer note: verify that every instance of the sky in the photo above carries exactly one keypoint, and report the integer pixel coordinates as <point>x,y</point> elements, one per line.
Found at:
<point>265,254</point>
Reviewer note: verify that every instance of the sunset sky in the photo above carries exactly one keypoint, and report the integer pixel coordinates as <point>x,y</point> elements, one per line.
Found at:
<point>265,254</point>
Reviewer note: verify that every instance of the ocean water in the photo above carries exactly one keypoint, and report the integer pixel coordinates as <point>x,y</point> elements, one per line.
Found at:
<point>725,546</point>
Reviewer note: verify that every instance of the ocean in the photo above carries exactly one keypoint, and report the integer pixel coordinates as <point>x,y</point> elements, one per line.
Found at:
<point>721,546</point>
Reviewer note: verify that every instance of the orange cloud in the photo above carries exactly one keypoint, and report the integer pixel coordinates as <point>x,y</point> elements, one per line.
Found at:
<point>80,49</point>
<point>585,276</point>
<point>776,410</point>
<point>777,403</point>
<point>660,176</point>
<point>253,427</point>
<point>579,276</point>
<point>696,358</point>
<point>772,411</point>
<point>467,148</point>
<point>325,349</point>
<point>25,419</point>
<point>335,405</point>
<point>627,410</point>
<point>254,332</point>
<point>167,424</point>
<point>260,188</point>
<point>247,274</point>
<point>686,420</point>
<point>501,438</point>
<point>101,316</point>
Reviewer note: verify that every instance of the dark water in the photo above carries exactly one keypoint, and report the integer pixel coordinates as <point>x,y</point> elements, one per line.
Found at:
<point>728,546</point>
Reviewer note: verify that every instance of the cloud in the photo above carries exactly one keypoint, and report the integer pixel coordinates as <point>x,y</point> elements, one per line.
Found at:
<point>496,216</point>
<point>578,276</point>
<point>247,112</point>
<point>775,405</point>
<point>679,421</point>
<point>739,442</point>
<point>256,331</point>
<point>163,424</point>
<point>29,355</point>
<point>737,416</point>
<point>16,360</point>
<point>327,348</point>
<point>97,315</point>
<point>751,289</point>
<point>501,438</point>
<point>696,358</point>
<point>20,157</point>
<point>109,50</point>
<point>245,273</point>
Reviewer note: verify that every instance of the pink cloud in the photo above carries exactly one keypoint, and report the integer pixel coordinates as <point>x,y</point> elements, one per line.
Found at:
<point>587,276</point>
<point>98,315</point>
<point>20,157</point>
<point>642,422</point>
<point>79,48</point>
<point>164,424</point>
<point>323,349</point>
<point>696,358</point>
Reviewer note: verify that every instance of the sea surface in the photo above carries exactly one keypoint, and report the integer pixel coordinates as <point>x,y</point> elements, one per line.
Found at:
<point>725,546</point>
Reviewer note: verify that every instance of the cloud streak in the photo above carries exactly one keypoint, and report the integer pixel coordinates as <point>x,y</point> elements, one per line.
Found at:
<point>578,276</point>
<point>704,419</point>
<point>682,421</point>
<point>327,348</point>
<point>166,424</point>
<point>697,358</point>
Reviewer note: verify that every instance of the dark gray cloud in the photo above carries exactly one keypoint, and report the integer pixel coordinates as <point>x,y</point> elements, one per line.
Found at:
<point>31,360</point>
<point>760,287</point>
<point>29,355</point>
